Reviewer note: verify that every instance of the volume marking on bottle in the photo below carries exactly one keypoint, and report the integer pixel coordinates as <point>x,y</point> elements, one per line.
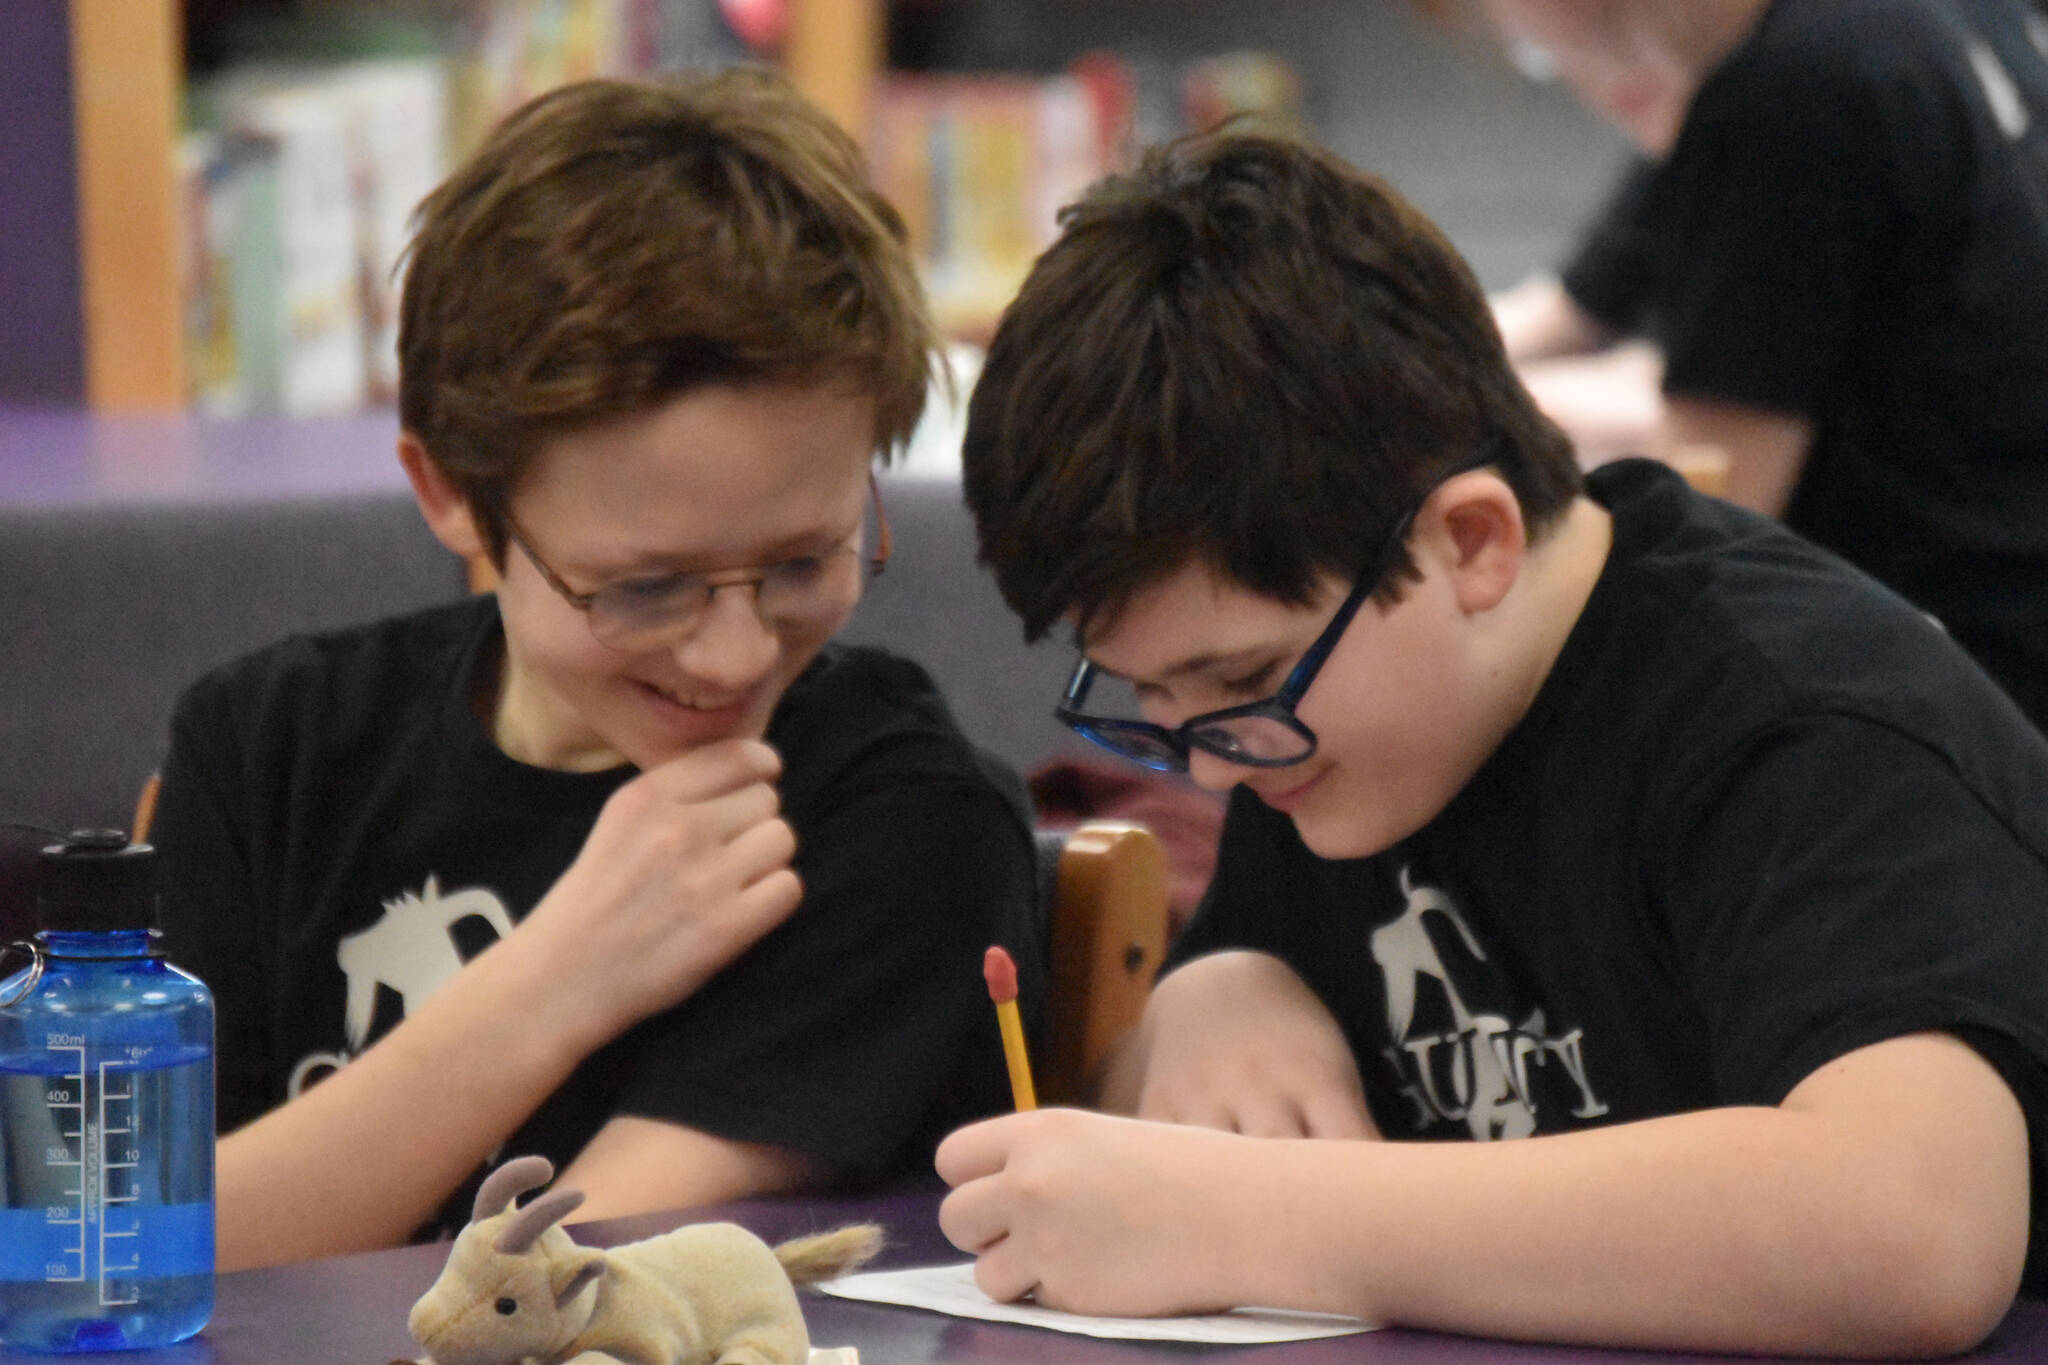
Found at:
<point>71,1096</point>
<point>116,1285</point>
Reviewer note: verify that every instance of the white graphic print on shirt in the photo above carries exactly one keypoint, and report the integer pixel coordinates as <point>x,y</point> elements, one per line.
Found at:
<point>411,951</point>
<point>1474,1068</point>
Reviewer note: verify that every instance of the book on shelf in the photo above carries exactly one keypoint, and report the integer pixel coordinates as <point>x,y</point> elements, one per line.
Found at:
<point>211,196</point>
<point>979,166</point>
<point>511,50</point>
<point>399,153</point>
<point>274,200</point>
<point>297,202</point>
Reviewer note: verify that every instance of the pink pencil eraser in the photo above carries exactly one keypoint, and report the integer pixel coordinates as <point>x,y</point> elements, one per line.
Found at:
<point>1001,974</point>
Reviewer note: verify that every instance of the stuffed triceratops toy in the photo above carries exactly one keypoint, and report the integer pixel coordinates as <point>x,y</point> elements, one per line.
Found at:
<point>516,1288</point>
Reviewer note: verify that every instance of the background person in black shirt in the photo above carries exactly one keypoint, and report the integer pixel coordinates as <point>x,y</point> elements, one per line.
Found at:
<point>1837,241</point>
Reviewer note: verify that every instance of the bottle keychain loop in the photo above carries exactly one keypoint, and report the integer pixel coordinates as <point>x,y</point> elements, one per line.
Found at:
<point>80,836</point>
<point>34,953</point>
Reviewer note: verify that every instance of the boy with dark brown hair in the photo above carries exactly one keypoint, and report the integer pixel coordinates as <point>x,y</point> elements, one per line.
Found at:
<point>1586,810</point>
<point>626,865</point>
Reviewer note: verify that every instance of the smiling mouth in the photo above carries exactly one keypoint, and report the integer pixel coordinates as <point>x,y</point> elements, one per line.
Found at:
<point>711,708</point>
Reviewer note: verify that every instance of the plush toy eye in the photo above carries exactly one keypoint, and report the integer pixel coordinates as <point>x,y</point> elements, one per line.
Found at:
<point>507,1307</point>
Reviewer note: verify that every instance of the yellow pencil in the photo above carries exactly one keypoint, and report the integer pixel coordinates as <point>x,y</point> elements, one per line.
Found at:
<point>1001,973</point>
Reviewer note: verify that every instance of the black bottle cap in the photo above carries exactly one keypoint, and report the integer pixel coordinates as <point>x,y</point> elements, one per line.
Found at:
<point>97,883</point>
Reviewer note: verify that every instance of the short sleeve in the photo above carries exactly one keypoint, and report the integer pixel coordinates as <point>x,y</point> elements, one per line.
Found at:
<point>1237,909</point>
<point>1910,907</point>
<point>1779,217</point>
<point>1609,273</point>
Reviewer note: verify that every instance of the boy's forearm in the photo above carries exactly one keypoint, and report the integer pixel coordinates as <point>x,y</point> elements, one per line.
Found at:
<point>364,1157</point>
<point>1122,1080</point>
<point>1735,1229</point>
<point>638,1165</point>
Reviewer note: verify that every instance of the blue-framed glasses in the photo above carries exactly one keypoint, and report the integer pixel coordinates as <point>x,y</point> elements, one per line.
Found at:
<point>1259,734</point>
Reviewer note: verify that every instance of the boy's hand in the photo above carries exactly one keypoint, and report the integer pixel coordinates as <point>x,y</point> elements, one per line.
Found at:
<point>1237,1041</point>
<point>686,867</point>
<point>1095,1214</point>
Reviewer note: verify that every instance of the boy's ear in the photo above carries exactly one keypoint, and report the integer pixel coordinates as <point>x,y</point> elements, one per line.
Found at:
<point>1481,534</point>
<point>446,510</point>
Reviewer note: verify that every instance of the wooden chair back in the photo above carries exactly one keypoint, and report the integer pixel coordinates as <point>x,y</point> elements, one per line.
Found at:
<point>1107,915</point>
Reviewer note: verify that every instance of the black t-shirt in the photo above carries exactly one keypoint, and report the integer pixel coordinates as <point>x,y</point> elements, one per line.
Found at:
<point>1760,814</point>
<point>338,832</point>
<point>1852,227</point>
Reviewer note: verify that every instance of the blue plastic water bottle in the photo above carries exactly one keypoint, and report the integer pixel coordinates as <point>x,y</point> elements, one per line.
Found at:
<point>106,1117</point>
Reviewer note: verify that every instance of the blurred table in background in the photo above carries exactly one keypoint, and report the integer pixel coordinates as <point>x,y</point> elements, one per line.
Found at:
<point>53,456</point>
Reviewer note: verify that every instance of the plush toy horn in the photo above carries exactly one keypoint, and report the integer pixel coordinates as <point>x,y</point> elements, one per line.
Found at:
<point>523,1227</point>
<point>508,1182</point>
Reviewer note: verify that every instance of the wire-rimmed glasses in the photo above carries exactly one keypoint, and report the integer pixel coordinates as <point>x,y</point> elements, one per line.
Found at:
<point>646,612</point>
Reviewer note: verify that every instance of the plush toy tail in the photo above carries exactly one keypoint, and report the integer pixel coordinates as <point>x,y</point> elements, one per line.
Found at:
<point>830,1254</point>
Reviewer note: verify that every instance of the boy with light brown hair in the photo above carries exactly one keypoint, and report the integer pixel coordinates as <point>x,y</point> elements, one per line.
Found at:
<point>627,865</point>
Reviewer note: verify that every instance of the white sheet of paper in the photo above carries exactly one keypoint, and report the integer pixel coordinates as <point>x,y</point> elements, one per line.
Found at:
<point>951,1289</point>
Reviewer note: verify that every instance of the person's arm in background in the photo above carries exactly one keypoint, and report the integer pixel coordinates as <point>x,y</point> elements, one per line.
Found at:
<point>1762,453</point>
<point>1569,338</point>
<point>1539,321</point>
<point>1609,402</point>
<point>1607,395</point>
<point>1596,383</point>
<point>1603,388</point>
<point>685,868</point>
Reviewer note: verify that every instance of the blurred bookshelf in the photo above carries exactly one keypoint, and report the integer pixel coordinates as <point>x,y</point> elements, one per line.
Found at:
<point>313,130</point>
<point>245,169</point>
<point>239,173</point>
<point>979,163</point>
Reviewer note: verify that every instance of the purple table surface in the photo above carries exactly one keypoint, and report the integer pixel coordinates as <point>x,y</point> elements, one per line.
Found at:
<point>60,456</point>
<point>351,1311</point>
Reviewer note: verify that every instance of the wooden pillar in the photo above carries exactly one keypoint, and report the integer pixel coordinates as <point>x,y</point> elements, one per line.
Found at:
<point>834,54</point>
<point>127,67</point>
